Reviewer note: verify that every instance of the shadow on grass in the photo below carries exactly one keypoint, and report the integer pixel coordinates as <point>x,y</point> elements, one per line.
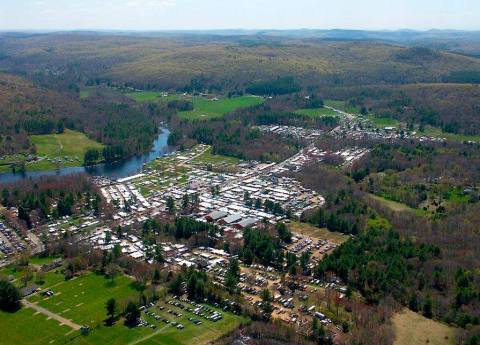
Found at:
<point>110,283</point>
<point>137,286</point>
<point>109,322</point>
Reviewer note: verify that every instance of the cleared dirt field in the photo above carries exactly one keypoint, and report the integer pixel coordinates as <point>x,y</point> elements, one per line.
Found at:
<point>312,231</point>
<point>414,329</point>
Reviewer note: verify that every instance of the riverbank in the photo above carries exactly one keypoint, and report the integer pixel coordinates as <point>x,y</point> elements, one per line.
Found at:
<point>113,170</point>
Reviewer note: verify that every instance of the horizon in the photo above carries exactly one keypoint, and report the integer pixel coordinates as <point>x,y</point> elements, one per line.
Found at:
<point>233,30</point>
<point>188,15</point>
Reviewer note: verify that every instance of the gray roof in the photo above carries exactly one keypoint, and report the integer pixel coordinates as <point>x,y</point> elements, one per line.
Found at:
<point>232,218</point>
<point>215,215</point>
<point>248,222</point>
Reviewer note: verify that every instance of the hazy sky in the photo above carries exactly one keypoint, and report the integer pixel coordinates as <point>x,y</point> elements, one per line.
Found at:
<point>233,14</point>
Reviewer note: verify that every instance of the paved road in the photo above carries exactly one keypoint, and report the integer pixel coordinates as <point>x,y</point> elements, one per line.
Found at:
<point>54,316</point>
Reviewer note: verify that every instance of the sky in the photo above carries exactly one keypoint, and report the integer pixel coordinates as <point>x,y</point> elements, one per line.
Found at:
<point>149,15</point>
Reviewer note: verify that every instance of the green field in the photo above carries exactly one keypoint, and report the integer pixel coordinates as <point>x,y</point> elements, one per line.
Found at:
<point>63,150</point>
<point>167,334</point>
<point>82,301</point>
<point>317,112</point>
<point>395,205</point>
<point>208,158</point>
<point>382,122</point>
<point>144,96</point>
<point>438,133</point>
<point>341,105</point>
<point>203,108</point>
<point>208,109</point>
<point>29,327</point>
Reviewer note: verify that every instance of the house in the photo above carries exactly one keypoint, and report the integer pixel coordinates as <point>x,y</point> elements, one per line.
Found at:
<point>231,219</point>
<point>215,215</point>
<point>246,223</point>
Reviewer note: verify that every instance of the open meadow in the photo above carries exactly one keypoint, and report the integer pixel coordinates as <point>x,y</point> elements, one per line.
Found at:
<point>414,329</point>
<point>211,108</point>
<point>54,151</point>
<point>317,112</point>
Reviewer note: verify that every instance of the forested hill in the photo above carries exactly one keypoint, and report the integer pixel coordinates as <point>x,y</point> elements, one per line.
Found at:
<point>222,63</point>
<point>28,109</point>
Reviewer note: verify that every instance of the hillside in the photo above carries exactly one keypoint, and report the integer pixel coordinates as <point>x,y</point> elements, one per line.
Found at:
<point>27,108</point>
<point>223,62</point>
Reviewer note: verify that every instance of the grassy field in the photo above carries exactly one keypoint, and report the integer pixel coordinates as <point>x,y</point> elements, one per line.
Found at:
<point>29,327</point>
<point>68,149</point>
<point>414,329</point>
<point>382,122</point>
<point>203,108</point>
<point>144,96</point>
<point>208,109</point>
<point>317,112</point>
<point>86,92</point>
<point>438,133</point>
<point>396,206</point>
<point>208,158</point>
<point>82,300</point>
<point>313,231</point>
<point>341,105</point>
<point>164,334</point>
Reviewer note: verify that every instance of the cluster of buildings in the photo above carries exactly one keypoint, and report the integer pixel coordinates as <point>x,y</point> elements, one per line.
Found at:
<point>361,128</point>
<point>62,226</point>
<point>292,131</point>
<point>252,193</point>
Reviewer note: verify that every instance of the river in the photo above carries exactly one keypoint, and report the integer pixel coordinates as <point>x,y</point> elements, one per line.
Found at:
<point>115,170</point>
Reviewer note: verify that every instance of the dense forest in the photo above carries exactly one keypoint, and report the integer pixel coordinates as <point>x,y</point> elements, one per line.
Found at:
<point>27,109</point>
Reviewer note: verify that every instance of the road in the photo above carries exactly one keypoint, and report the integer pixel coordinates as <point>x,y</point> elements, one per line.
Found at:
<point>54,316</point>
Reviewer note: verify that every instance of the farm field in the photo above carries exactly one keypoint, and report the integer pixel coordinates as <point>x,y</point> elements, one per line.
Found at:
<point>56,150</point>
<point>313,231</point>
<point>208,109</point>
<point>414,329</point>
<point>317,112</point>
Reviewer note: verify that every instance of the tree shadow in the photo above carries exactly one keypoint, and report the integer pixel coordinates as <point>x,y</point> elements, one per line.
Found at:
<point>137,286</point>
<point>109,322</point>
